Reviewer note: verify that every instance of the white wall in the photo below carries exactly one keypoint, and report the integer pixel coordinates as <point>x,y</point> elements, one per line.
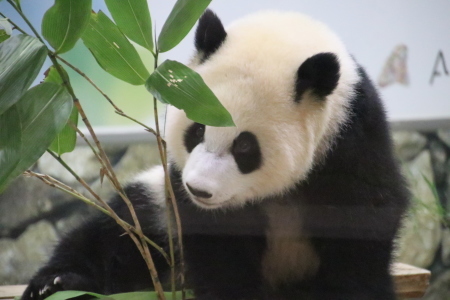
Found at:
<point>371,31</point>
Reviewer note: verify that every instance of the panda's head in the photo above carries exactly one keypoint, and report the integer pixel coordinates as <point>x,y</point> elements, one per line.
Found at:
<point>287,81</point>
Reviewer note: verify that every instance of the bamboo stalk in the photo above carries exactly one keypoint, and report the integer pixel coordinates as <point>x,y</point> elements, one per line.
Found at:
<point>142,245</point>
<point>172,203</point>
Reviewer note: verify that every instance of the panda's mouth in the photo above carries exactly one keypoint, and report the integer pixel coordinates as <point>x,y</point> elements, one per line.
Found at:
<point>205,203</point>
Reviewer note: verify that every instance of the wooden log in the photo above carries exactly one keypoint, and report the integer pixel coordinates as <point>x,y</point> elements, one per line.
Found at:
<point>410,282</point>
<point>11,291</point>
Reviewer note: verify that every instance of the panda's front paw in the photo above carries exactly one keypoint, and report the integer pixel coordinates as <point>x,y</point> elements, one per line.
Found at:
<point>42,286</point>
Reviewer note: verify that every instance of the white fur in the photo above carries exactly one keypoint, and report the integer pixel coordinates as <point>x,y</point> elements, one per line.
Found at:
<point>153,181</point>
<point>253,75</point>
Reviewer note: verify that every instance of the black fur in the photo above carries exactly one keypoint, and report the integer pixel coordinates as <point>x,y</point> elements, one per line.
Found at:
<point>210,34</point>
<point>194,136</point>
<point>319,74</point>
<point>246,152</point>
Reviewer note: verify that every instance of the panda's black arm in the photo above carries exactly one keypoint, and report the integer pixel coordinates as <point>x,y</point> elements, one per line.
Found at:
<point>76,264</point>
<point>98,257</point>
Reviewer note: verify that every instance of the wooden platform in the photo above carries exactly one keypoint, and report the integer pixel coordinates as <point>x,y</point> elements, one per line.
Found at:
<point>410,282</point>
<point>11,291</point>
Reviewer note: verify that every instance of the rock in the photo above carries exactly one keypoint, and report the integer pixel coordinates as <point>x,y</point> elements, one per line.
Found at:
<point>447,184</point>
<point>21,258</point>
<point>439,288</point>
<point>25,199</point>
<point>137,158</point>
<point>408,144</point>
<point>420,236</point>
<point>81,160</point>
<point>66,224</point>
<point>444,135</point>
<point>438,159</point>
<point>446,247</point>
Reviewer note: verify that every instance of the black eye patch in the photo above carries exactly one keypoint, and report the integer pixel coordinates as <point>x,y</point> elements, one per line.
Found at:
<point>193,136</point>
<point>246,152</point>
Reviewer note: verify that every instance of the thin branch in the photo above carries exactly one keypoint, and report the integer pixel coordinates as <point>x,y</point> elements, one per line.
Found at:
<point>54,183</point>
<point>80,133</point>
<point>117,109</point>
<point>171,246</point>
<point>61,186</point>
<point>142,246</point>
<point>67,189</point>
<point>110,212</point>
<point>78,178</point>
<point>82,74</point>
<point>100,160</point>
<point>108,167</point>
<point>168,186</point>
<point>147,128</point>
<point>19,11</point>
<point>14,24</point>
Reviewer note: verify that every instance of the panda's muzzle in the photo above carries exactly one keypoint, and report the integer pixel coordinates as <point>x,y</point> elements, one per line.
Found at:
<point>198,193</point>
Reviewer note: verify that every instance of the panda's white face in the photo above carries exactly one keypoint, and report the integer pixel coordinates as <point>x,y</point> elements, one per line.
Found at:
<point>279,134</point>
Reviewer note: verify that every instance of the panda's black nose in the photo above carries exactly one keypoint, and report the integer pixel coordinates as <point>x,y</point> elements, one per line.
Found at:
<point>198,193</point>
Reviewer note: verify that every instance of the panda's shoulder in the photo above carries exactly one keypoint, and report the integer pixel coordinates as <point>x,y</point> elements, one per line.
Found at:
<point>367,109</point>
<point>147,186</point>
<point>146,192</point>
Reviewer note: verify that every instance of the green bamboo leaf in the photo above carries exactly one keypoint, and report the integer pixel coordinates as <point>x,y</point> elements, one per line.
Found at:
<point>21,58</point>
<point>10,142</point>
<point>180,86</point>
<point>112,50</point>
<point>63,295</point>
<point>43,111</point>
<point>145,296</point>
<point>52,75</point>
<point>18,4</point>
<point>64,22</point>
<point>66,140</point>
<point>3,35</point>
<point>135,296</point>
<point>180,21</point>
<point>133,18</point>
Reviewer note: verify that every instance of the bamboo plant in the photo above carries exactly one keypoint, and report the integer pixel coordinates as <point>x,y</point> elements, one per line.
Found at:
<point>45,117</point>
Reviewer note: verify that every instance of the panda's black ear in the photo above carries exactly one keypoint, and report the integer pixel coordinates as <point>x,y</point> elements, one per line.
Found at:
<point>319,75</point>
<point>210,34</point>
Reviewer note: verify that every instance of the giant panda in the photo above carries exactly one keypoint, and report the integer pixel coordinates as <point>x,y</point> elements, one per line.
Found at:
<point>301,200</point>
